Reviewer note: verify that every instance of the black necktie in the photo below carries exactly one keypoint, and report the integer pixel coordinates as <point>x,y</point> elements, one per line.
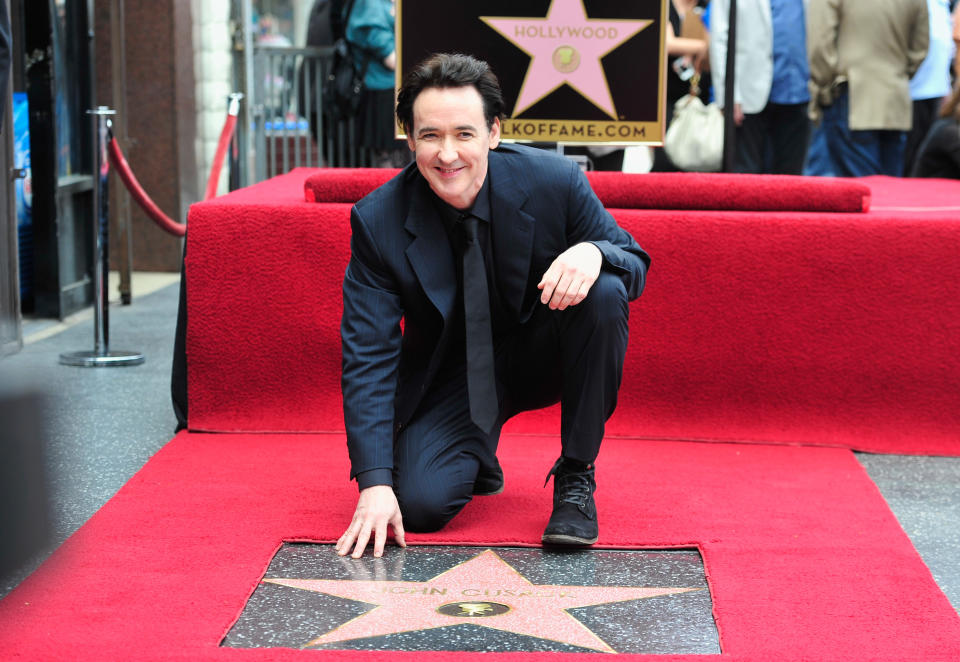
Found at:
<point>481,386</point>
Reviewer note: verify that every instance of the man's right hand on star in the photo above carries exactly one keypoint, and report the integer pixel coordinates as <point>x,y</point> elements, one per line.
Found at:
<point>377,508</point>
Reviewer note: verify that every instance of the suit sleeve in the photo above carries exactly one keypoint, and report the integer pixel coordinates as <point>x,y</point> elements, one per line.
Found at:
<point>588,220</point>
<point>371,337</point>
<point>823,22</point>
<point>919,39</point>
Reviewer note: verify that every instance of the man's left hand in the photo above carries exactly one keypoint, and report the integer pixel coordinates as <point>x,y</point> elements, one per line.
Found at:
<point>570,277</point>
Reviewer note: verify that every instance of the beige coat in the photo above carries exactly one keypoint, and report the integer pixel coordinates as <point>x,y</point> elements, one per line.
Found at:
<point>875,46</point>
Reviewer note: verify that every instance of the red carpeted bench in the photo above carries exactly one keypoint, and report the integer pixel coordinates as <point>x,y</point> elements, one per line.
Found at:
<point>778,309</point>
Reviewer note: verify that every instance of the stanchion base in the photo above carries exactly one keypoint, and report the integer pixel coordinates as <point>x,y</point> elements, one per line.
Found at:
<point>91,359</point>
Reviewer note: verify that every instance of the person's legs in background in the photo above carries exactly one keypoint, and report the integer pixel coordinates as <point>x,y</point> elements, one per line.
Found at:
<point>789,138</point>
<point>853,153</point>
<point>924,115</point>
<point>818,163</point>
<point>892,145</point>
<point>751,138</point>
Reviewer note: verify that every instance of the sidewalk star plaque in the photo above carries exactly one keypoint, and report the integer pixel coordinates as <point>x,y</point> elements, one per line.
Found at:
<point>455,598</point>
<point>483,591</point>
<point>572,71</point>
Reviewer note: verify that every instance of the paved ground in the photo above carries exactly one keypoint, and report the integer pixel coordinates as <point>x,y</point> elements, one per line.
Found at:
<point>105,423</point>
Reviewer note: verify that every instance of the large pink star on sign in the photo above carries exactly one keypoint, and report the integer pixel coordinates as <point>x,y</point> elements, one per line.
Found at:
<point>484,591</point>
<point>566,47</point>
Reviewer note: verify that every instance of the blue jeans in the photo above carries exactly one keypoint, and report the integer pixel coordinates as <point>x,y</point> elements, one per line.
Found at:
<point>860,153</point>
<point>818,162</point>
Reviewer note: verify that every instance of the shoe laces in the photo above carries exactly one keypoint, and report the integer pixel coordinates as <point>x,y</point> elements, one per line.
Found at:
<point>574,486</point>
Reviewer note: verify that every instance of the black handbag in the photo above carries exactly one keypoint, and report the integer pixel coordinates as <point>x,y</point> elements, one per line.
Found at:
<point>343,90</point>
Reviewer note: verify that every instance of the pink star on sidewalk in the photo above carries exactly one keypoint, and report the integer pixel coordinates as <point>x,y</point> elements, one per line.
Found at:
<point>566,47</point>
<point>484,591</point>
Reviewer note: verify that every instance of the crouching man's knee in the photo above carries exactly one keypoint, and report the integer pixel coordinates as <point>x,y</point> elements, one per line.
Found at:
<point>427,508</point>
<point>608,296</point>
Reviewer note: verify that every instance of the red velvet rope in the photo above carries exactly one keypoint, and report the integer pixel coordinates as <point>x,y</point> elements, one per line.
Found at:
<point>148,205</point>
<point>144,200</point>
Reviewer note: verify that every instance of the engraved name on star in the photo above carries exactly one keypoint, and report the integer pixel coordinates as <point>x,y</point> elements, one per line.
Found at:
<point>484,591</point>
<point>566,47</point>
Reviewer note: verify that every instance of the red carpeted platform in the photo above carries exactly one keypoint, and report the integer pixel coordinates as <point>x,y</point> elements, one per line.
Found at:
<point>804,559</point>
<point>797,327</point>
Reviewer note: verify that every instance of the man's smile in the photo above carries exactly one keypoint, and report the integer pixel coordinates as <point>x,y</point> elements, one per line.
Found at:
<point>449,172</point>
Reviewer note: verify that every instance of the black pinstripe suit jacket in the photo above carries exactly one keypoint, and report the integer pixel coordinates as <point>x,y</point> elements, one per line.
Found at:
<point>402,267</point>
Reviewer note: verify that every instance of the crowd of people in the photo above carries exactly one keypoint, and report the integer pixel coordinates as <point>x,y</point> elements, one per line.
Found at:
<point>821,87</point>
<point>829,87</point>
<point>368,26</point>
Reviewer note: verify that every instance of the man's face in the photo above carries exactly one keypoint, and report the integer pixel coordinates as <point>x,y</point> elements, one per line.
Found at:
<point>451,141</point>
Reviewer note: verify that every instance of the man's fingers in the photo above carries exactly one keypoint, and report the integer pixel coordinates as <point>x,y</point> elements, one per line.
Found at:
<point>398,534</point>
<point>583,291</point>
<point>343,545</point>
<point>555,283</point>
<point>362,541</point>
<point>570,293</point>
<point>549,282</point>
<point>548,289</point>
<point>579,293</point>
<point>376,509</point>
<point>379,539</point>
<point>563,286</point>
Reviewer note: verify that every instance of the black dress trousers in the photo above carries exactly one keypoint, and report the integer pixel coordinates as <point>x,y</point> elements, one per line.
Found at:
<point>574,357</point>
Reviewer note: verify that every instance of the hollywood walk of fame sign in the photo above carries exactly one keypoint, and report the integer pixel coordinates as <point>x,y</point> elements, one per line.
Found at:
<point>572,71</point>
<point>479,599</point>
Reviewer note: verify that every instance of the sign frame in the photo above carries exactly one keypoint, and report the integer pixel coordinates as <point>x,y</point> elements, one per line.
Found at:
<point>504,32</point>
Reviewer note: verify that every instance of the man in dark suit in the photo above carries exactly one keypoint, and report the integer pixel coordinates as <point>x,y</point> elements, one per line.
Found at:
<point>511,282</point>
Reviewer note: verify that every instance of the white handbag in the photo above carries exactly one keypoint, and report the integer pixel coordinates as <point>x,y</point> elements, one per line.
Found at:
<point>694,139</point>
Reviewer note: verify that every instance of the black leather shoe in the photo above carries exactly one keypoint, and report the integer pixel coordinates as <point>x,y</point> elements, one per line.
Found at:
<point>489,482</point>
<point>574,517</point>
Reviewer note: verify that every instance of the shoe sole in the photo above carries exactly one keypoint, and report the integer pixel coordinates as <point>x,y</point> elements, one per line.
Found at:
<point>560,539</point>
<point>493,493</point>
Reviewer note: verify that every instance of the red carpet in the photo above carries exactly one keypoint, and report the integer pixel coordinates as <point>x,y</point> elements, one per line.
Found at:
<point>804,559</point>
<point>834,329</point>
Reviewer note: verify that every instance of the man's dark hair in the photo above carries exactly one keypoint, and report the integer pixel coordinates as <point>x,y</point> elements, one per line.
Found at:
<point>450,70</point>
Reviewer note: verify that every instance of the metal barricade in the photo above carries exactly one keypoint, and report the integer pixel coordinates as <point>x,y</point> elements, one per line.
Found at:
<point>288,129</point>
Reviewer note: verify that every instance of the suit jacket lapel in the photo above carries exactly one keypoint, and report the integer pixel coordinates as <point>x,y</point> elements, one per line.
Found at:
<point>512,233</point>
<point>430,254</point>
